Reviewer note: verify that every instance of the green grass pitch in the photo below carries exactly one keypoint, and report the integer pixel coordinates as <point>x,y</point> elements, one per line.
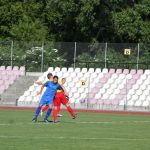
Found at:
<point>90,131</point>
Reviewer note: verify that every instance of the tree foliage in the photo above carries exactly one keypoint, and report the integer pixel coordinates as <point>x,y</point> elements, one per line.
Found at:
<point>75,20</point>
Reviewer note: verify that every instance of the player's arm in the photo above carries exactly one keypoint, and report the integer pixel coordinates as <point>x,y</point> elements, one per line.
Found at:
<point>39,82</point>
<point>65,91</point>
<point>42,87</point>
<point>41,90</point>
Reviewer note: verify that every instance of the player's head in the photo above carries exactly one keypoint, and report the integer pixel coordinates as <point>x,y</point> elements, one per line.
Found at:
<point>55,79</point>
<point>49,76</point>
<point>63,80</point>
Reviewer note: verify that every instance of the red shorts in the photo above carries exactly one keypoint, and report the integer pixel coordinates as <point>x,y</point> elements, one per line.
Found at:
<point>60,98</point>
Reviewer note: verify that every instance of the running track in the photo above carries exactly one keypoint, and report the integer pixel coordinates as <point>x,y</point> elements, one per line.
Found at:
<point>81,110</point>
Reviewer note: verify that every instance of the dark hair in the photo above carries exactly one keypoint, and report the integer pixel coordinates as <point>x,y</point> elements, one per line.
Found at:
<point>49,75</point>
<point>55,77</point>
<point>63,78</point>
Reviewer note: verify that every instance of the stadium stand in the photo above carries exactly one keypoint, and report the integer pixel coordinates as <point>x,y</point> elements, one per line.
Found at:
<point>8,75</point>
<point>13,83</point>
<point>106,89</point>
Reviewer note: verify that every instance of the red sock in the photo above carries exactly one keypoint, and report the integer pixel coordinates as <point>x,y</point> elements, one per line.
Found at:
<point>70,110</point>
<point>58,109</point>
<point>55,112</point>
<point>44,108</point>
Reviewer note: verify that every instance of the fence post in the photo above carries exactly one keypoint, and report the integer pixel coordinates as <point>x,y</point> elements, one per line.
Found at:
<point>42,49</point>
<point>11,53</point>
<point>75,51</point>
<point>106,55</point>
<point>137,62</point>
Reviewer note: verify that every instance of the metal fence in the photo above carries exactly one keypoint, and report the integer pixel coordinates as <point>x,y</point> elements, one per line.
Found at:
<point>38,56</point>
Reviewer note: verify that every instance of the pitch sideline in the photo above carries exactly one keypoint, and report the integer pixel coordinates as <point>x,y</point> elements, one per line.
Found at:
<point>80,122</point>
<point>75,138</point>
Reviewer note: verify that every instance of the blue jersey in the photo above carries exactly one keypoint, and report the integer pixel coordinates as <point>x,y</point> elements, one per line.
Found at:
<point>50,92</point>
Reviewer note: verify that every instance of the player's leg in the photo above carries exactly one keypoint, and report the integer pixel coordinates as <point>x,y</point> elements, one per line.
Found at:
<point>56,109</point>
<point>45,108</point>
<point>37,112</point>
<point>70,110</point>
<point>50,106</point>
<point>64,101</point>
<point>55,113</point>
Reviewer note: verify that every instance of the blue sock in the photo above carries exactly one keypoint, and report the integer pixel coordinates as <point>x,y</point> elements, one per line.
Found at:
<point>38,110</point>
<point>48,113</point>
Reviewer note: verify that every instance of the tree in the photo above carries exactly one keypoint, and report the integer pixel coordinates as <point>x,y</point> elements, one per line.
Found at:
<point>21,20</point>
<point>28,30</point>
<point>132,24</point>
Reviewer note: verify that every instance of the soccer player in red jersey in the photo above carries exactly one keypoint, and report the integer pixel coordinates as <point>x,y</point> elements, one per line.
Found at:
<point>60,98</point>
<point>62,82</point>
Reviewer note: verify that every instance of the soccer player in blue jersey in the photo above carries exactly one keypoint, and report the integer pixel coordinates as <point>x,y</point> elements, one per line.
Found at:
<point>48,97</point>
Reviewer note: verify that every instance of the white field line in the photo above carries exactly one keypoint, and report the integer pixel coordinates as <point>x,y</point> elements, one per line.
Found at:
<point>77,122</point>
<point>74,138</point>
<point>112,122</point>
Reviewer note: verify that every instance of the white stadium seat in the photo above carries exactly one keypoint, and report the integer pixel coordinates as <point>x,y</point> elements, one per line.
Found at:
<point>130,103</point>
<point>138,103</point>
<point>147,72</point>
<point>70,70</point>
<point>105,70</point>
<point>91,70</point>
<point>84,70</point>
<point>31,88</point>
<point>80,75</point>
<point>64,70</point>
<point>145,103</point>
<point>27,93</point>
<point>129,76</point>
<point>73,75</point>
<point>97,70</point>
<point>57,69</point>
<point>77,70</point>
<point>66,75</point>
<point>60,74</point>
<point>50,69</point>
